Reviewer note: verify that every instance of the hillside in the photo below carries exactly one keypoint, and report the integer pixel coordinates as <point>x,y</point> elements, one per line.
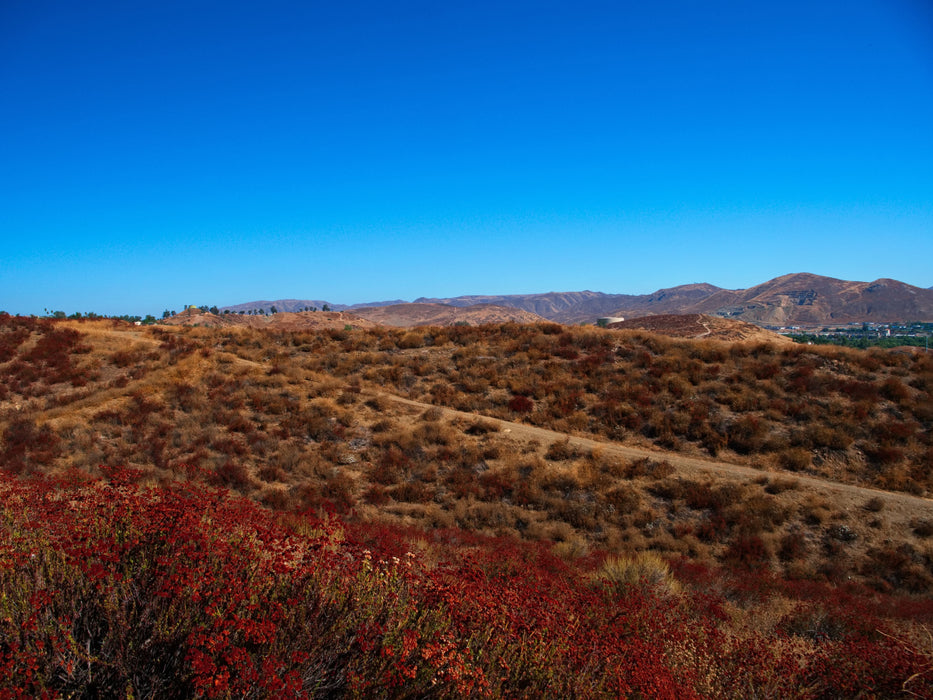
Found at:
<point>397,315</point>
<point>585,307</point>
<point>800,299</point>
<point>408,495</point>
<point>811,300</point>
<point>701,326</point>
<point>306,320</point>
<point>424,314</point>
<point>285,414</point>
<point>552,305</point>
<point>791,300</point>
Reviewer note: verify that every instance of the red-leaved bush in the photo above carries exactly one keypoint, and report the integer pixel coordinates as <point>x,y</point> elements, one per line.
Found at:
<point>521,404</point>
<point>108,588</point>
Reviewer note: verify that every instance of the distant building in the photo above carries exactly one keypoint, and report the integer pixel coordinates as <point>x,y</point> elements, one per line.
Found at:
<point>606,320</point>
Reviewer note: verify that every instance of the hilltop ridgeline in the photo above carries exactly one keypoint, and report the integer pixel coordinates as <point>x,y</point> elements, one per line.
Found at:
<point>800,299</point>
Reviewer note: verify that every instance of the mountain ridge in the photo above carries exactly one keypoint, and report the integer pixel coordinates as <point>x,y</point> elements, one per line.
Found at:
<point>795,299</point>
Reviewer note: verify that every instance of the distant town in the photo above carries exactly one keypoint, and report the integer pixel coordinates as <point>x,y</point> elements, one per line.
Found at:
<point>863,335</point>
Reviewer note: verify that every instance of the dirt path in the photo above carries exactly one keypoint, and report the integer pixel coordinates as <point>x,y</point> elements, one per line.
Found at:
<point>850,496</point>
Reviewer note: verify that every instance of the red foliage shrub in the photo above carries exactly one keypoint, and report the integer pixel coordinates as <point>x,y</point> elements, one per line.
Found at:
<point>390,467</point>
<point>521,404</point>
<point>496,485</point>
<point>10,340</point>
<point>232,474</point>
<point>702,495</point>
<point>745,434</point>
<point>176,345</point>
<point>858,390</point>
<point>49,360</point>
<point>794,459</point>
<point>894,389</point>
<point>377,495</point>
<point>883,455</point>
<point>25,446</point>
<point>793,546</point>
<point>411,492</point>
<point>748,551</point>
<point>110,589</point>
<point>712,529</point>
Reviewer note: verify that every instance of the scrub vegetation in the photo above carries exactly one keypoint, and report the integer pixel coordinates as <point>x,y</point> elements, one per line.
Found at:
<point>446,512</point>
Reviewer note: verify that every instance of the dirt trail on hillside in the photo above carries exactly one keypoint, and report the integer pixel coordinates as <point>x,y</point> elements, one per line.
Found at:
<point>850,496</point>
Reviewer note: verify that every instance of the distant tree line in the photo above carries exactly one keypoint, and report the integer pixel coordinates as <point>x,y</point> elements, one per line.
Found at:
<point>851,341</point>
<point>91,316</point>
<point>149,318</point>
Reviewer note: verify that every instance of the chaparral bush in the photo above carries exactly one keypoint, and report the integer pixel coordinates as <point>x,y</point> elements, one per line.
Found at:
<point>111,588</point>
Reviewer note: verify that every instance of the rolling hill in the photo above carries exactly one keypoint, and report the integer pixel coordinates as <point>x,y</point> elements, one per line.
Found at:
<point>423,314</point>
<point>810,300</point>
<point>559,511</point>
<point>701,326</point>
<point>800,299</point>
<point>399,315</point>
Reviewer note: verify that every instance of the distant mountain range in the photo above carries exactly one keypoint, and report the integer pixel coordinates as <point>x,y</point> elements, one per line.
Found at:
<point>295,305</point>
<point>800,299</point>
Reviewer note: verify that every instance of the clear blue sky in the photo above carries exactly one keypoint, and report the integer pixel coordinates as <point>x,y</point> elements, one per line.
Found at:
<point>157,153</point>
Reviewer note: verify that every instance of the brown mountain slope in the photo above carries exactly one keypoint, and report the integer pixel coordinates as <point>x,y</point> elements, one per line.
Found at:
<point>550,305</point>
<point>702,326</point>
<point>804,299</point>
<point>586,306</point>
<point>419,314</point>
<point>800,299</point>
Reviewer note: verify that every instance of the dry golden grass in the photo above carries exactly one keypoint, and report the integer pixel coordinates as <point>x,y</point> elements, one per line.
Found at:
<point>643,570</point>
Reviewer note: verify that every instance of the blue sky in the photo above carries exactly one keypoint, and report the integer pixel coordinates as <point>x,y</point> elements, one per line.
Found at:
<point>156,154</point>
